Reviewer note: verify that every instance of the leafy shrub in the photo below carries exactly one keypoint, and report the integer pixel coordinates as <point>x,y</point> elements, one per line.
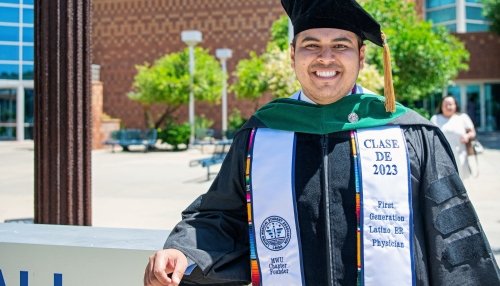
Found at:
<point>234,121</point>
<point>175,134</point>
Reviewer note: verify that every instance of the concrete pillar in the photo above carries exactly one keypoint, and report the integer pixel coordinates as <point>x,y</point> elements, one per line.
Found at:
<point>461,25</point>
<point>482,107</point>
<point>463,98</point>
<point>20,112</point>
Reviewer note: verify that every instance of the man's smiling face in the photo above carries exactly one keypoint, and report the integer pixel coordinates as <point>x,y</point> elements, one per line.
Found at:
<point>327,62</point>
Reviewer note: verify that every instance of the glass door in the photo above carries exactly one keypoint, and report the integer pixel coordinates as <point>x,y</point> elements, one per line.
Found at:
<point>474,105</point>
<point>29,112</point>
<point>7,114</point>
<point>492,97</point>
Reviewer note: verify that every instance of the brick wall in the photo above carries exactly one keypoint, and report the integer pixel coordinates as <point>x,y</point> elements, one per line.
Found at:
<point>484,61</point>
<point>131,32</point>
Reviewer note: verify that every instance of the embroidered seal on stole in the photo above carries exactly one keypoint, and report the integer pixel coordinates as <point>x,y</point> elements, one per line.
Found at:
<point>275,233</point>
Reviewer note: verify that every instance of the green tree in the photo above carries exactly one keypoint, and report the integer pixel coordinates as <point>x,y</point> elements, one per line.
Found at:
<point>278,73</point>
<point>492,13</point>
<point>369,77</point>
<point>424,58</point>
<point>268,72</point>
<point>166,83</point>
<point>279,34</point>
<point>251,82</point>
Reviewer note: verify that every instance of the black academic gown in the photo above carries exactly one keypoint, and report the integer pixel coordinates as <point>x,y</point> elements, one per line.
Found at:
<point>450,247</point>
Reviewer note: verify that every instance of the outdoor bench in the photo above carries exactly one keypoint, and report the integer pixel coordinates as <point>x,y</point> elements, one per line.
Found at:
<point>129,137</point>
<point>220,151</point>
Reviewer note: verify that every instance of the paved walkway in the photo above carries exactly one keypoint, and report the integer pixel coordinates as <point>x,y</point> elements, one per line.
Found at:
<point>129,189</point>
<point>149,190</point>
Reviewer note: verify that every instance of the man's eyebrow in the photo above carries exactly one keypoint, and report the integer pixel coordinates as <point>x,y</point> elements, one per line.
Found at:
<point>339,39</point>
<point>342,39</point>
<point>310,39</point>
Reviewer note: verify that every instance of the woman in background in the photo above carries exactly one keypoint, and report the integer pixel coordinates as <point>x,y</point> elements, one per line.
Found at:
<point>458,130</point>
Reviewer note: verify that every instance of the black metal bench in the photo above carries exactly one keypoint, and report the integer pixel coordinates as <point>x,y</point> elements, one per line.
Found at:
<point>129,137</point>
<point>220,150</point>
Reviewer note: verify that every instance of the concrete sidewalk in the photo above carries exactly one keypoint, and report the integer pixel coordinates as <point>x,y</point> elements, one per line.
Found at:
<point>129,189</point>
<point>149,190</point>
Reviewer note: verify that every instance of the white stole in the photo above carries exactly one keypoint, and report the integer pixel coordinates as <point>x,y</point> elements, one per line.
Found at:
<point>274,209</point>
<point>386,218</point>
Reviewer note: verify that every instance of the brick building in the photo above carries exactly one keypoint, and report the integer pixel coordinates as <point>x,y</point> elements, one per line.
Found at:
<point>478,89</point>
<point>131,32</point>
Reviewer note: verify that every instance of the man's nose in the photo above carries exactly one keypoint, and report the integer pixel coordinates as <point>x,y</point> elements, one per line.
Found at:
<point>326,56</point>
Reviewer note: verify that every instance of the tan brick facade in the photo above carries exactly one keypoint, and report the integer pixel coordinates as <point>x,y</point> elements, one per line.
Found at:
<point>131,32</point>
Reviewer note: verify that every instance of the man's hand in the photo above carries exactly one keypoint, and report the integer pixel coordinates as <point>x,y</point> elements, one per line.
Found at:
<point>162,263</point>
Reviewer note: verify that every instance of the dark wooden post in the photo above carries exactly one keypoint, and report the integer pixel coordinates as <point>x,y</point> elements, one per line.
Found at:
<point>63,112</point>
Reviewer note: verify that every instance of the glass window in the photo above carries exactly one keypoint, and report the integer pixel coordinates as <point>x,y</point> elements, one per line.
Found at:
<point>11,1</point>
<point>28,35</point>
<point>8,14</point>
<point>7,133</point>
<point>442,15</point>
<point>29,111</point>
<point>28,71</point>
<point>474,1</point>
<point>28,53</point>
<point>438,3</point>
<point>29,2</point>
<point>28,16</point>
<point>7,105</point>
<point>7,114</point>
<point>474,13</point>
<point>492,102</point>
<point>9,34</point>
<point>451,27</point>
<point>473,104</point>
<point>477,27</point>
<point>9,71</point>
<point>9,53</point>
<point>29,105</point>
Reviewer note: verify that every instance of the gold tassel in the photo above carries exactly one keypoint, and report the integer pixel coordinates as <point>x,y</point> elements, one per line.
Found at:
<point>390,99</point>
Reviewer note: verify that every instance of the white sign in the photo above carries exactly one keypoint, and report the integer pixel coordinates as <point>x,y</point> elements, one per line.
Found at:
<point>46,255</point>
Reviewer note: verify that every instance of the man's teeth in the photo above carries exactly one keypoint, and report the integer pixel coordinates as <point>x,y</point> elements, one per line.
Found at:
<point>326,73</point>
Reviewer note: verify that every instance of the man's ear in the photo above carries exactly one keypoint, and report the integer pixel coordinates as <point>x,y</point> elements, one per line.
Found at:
<point>292,56</point>
<point>362,57</point>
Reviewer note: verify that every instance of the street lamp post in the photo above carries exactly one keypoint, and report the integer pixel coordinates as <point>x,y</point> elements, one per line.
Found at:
<point>191,38</point>
<point>223,55</point>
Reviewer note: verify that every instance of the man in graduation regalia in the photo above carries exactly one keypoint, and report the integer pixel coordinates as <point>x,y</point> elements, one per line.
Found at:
<point>333,186</point>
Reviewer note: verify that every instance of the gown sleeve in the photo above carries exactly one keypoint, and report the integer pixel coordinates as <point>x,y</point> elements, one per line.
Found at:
<point>213,232</point>
<point>458,252</point>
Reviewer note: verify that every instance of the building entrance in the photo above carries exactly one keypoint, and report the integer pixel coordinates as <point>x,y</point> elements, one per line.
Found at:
<point>8,114</point>
<point>492,98</point>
